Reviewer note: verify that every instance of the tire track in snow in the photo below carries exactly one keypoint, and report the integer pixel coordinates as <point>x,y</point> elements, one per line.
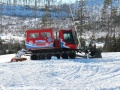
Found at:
<point>103,79</point>
<point>106,76</point>
<point>9,78</point>
<point>73,74</point>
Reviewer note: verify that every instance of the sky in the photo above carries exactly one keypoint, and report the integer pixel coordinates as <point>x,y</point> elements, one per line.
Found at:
<point>68,1</point>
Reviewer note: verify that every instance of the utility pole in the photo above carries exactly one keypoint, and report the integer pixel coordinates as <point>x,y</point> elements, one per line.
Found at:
<point>80,11</point>
<point>1,17</point>
<point>35,14</point>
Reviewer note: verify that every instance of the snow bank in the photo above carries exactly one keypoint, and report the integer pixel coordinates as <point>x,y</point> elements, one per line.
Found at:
<point>6,58</point>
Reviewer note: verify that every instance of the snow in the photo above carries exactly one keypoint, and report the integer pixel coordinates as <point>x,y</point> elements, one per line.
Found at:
<point>62,74</point>
<point>10,36</point>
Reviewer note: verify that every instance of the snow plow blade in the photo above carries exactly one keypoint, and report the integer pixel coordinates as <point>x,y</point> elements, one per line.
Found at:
<point>96,54</point>
<point>90,54</point>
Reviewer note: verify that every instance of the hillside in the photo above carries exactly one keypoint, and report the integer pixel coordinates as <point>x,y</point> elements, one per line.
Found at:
<point>27,11</point>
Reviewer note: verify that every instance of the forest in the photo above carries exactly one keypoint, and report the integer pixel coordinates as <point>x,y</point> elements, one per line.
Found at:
<point>87,16</point>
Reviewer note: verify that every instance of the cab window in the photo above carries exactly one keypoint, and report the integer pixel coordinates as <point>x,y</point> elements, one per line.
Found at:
<point>68,37</point>
<point>34,35</point>
<point>45,34</point>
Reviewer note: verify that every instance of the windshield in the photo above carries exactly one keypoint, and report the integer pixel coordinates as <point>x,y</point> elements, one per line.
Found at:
<point>68,37</point>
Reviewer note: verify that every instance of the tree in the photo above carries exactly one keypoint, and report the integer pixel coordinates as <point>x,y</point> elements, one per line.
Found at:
<point>105,5</point>
<point>81,15</point>
<point>46,18</point>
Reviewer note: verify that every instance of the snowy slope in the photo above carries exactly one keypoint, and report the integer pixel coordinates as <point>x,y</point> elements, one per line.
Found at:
<point>72,74</point>
<point>26,11</point>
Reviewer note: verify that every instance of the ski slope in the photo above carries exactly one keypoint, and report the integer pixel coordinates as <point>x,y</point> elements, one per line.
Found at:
<point>63,74</point>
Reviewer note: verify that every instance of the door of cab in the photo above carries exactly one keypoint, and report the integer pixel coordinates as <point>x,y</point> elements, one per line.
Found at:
<point>67,39</point>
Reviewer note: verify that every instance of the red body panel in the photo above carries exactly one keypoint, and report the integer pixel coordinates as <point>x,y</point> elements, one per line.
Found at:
<point>39,38</point>
<point>63,42</point>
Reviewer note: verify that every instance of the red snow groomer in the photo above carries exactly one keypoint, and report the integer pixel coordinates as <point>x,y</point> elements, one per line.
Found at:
<point>44,43</point>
